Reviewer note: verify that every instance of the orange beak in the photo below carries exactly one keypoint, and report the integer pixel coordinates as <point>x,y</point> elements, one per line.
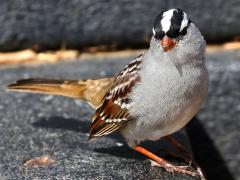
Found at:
<point>167,43</point>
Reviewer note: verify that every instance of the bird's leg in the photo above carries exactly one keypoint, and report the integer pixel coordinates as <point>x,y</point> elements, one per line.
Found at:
<point>185,154</point>
<point>164,163</point>
<point>182,150</point>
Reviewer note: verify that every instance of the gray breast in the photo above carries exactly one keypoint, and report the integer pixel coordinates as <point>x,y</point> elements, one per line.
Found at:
<point>166,100</point>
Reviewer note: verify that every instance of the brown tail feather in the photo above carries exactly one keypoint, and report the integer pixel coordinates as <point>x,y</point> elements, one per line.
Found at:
<point>89,90</point>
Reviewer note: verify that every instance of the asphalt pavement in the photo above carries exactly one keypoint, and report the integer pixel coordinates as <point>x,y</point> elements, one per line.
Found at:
<point>33,126</point>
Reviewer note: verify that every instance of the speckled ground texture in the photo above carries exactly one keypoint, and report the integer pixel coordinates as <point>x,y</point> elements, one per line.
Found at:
<point>35,125</point>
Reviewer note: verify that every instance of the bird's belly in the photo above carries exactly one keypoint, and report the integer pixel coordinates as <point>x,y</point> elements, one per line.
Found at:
<point>166,108</point>
<point>155,125</point>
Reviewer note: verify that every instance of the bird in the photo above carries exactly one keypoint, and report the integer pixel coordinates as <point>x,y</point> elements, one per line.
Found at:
<point>154,96</point>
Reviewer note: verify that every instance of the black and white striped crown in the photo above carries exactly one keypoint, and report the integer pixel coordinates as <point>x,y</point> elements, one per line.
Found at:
<point>173,23</point>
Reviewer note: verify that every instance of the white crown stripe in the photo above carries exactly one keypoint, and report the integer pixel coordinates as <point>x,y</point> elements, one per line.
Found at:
<point>184,21</point>
<point>166,20</point>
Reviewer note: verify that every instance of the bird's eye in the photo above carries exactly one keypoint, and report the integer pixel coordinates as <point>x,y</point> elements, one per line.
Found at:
<point>183,32</point>
<point>159,34</point>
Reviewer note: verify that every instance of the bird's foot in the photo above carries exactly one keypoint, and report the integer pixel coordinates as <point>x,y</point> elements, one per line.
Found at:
<point>184,154</point>
<point>186,157</point>
<point>160,162</point>
<point>174,168</point>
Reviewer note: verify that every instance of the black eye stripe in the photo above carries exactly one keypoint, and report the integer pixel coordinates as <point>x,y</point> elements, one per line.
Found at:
<point>159,35</point>
<point>183,32</point>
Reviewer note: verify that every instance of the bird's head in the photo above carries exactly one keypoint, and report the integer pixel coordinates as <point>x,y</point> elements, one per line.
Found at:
<point>173,29</point>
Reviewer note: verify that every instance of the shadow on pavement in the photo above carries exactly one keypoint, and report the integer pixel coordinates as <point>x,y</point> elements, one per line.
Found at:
<point>57,122</point>
<point>158,147</point>
<point>205,152</point>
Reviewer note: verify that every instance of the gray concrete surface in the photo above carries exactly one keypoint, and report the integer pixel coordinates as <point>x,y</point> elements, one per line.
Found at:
<point>81,23</point>
<point>35,125</point>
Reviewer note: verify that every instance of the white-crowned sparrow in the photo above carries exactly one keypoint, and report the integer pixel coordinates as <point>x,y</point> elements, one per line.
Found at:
<point>153,96</point>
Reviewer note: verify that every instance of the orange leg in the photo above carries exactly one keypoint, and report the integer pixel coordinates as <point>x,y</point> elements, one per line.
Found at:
<point>182,150</point>
<point>164,163</point>
<point>175,143</point>
<point>185,154</point>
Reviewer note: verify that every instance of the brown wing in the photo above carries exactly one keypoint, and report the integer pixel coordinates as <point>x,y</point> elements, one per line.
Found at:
<point>113,113</point>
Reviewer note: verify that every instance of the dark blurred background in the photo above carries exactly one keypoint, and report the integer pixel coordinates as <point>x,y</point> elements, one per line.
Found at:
<point>78,24</point>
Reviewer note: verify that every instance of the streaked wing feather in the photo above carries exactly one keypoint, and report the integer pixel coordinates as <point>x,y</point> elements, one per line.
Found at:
<point>113,113</point>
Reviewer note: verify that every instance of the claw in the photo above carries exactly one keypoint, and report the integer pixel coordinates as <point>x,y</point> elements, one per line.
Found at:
<point>160,162</point>
<point>185,155</point>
